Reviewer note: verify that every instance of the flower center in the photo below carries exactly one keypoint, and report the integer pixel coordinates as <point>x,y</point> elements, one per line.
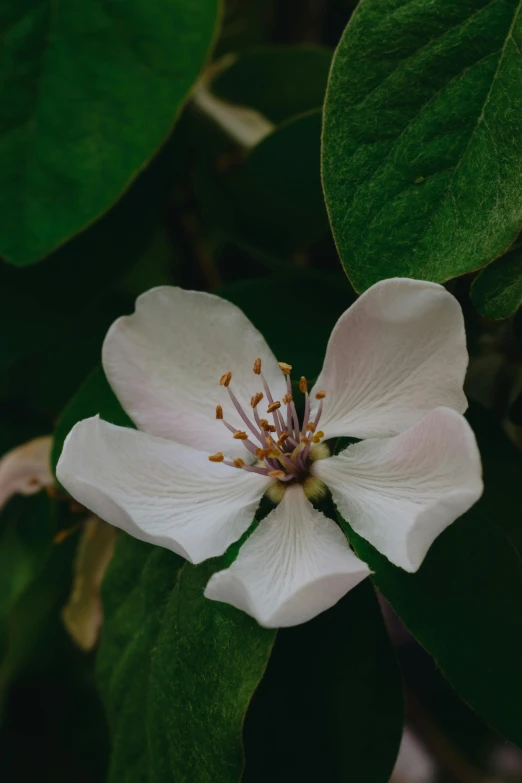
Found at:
<point>285,448</point>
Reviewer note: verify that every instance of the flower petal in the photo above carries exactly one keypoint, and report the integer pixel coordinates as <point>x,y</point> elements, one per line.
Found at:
<point>26,469</point>
<point>397,353</point>
<point>157,490</point>
<point>400,493</point>
<point>296,564</point>
<point>165,360</point>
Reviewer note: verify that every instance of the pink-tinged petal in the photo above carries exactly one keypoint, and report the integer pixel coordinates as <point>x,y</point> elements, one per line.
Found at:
<point>26,469</point>
<point>400,493</point>
<point>295,565</point>
<point>165,362</point>
<point>159,491</point>
<point>397,353</point>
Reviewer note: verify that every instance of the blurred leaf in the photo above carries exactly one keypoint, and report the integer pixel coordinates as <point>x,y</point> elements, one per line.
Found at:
<point>277,195</point>
<point>176,671</point>
<point>330,704</point>
<point>90,93</point>
<point>463,604</point>
<point>94,397</point>
<point>421,147</point>
<point>497,291</point>
<point>278,81</point>
<point>297,326</point>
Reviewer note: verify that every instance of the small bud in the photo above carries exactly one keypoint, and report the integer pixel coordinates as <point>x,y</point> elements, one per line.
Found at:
<point>256,399</point>
<point>257,366</point>
<point>277,474</point>
<point>273,406</point>
<point>303,385</point>
<point>284,367</point>
<point>320,395</point>
<point>217,457</point>
<point>310,427</point>
<point>225,379</point>
<point>238,462</point>
<point>240,435</point>
<point>219,412</point>
<point>287,399</point>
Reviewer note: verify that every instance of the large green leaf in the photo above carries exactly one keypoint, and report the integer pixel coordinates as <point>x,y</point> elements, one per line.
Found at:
<point>422,156</point>
<point>177,671</point>
<point>90,92</point>
<point>497,291</point>
<point>330,704</point>
<point>278,81</point>
<point>463,605</point>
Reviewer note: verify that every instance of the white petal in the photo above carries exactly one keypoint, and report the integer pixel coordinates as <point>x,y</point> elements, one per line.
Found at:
<point>165,360</point>
<point>400,493</point>
<point>397,353</point>
<point>26,469</point>
<point>296,564</point>
<point>157,490</point>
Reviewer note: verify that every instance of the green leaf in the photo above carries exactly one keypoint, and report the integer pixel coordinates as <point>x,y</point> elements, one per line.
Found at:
<point>330,704</point>
<point>497,291</point>
<point>90,93</point>
<point>94,397</point>
<point>463,604</point>
<point>311,299</point>
<point>278,81</point>
<point>277,194</point>
<point>421,147</point>
<point>176,671</point>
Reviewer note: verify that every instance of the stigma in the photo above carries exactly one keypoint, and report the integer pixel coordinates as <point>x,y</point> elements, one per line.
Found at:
<point>281,447</point>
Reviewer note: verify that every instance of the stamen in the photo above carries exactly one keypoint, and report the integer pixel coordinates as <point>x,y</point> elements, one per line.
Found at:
<point>256,399</point>
<point>284,436</point>
<point>303,385</point>
<point>239,463</point>
<point>219,457</point>
<point>317,437</point>
<point>271,428</point>
<point>320,395</point>
<point>274,406</point>
<point>243,415</point>
<point>310,427</point>
<point>219,412</point>
<point>257,366</point>
<point>279,474</point>
<point>284,367</point>
<point>225,379</point>
<point>264,424</point>
<point>287,399</point>
<point>240,435</point>
<point>262,453</point>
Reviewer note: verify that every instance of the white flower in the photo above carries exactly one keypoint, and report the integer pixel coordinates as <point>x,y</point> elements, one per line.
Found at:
<point>26,469</point>
<point>393,375</point>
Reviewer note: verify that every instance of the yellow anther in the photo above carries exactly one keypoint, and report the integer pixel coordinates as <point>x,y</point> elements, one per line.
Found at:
<point>320,395</point>
<point>264,424</point>
<point>238,462</point>
<point>287,398</point>
<point>317,437</point>
<point>271,428</point>
<point>303,384</point>
<point>276,474</point>
<point>257,366</point>
<point>262,453</point>
<point>274,454</point>
<point>305,440</point>
<point>284,367</point>
<point>273,406</point>
<point>217,457</point>
<point>256,399</point>
<point>284,436</point>
<point>225,379</point>
<point>240,435</point>
<point>310,426</point>
<point>219,412</point>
